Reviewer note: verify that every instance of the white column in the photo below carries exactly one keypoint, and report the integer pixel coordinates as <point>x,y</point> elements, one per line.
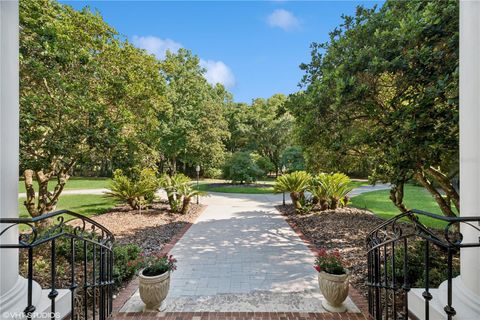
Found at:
<point>9,140</point>
<point>470,138</point>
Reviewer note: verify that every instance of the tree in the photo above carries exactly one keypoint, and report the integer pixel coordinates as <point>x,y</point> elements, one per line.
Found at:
<point>241,168</point>
<point>292,159</point>
<point>194,132</point>
<point>81,103</point>
<point>385,89</point>
<point>270,128</point>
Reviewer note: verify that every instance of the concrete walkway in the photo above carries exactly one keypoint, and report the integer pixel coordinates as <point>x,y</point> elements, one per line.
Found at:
<point>241,256</point>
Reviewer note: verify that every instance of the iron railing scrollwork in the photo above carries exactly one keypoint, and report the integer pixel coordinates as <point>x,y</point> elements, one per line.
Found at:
<point>389,258</point>
<point>86,247</point>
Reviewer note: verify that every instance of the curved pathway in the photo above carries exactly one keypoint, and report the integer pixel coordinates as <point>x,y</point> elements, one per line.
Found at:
<point>240,256</point>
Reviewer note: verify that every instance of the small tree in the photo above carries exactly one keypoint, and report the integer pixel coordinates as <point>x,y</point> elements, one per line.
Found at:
<point>241,168</point>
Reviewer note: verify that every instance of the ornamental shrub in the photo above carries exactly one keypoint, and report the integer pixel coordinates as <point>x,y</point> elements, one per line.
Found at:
<point>136,191</point>
<point>241,168</point>
<point>124,256</point>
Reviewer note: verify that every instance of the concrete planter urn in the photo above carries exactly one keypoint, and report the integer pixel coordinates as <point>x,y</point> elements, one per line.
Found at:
<point>154,289</point>
<point>335,290</point>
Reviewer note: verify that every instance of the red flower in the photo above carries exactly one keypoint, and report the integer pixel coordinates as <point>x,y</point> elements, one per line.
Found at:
<point>322,252</point>
<point>317,268</point>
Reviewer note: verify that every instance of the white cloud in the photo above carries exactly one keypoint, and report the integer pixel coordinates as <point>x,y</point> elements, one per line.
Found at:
<point>218,72</point>
<point>156,46</point>
<point>283,19</point>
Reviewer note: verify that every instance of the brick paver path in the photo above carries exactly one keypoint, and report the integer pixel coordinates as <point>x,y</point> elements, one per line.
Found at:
<point>242,256</point>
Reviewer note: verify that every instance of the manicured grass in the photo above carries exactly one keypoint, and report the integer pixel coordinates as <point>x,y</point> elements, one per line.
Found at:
<point>85,204</point>
<point>251,189</point>
<point>248,189</point>
<point>356,184</point>
<point>73,183</point>
<point>415,198</point>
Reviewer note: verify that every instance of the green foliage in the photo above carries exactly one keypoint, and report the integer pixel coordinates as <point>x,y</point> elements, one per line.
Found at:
<point>292,159</point>
<point>263,163</point>
<point>330,190</point>
<point>382,94</point>
<point>195,131</point>
<point>241,168</point>
<point>124,267</point>
<point>155,265</point>
<point>179,192</point>
<point>329,262</point>
<point>416,265</point>
<point>136,191</point>
<point>213,173</point>
<point>295,183</point>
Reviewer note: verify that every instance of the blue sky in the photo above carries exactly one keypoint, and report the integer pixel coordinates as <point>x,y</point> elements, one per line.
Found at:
<point>254,48</point>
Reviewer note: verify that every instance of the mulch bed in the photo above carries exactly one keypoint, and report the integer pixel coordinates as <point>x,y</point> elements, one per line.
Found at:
<point>344,229</point>
<point>150,229</point>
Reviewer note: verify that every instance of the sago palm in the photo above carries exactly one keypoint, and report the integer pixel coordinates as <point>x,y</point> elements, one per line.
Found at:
<point>295,183</point>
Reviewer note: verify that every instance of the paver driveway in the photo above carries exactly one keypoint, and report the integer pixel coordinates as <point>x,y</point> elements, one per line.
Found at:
<point>241,255</point>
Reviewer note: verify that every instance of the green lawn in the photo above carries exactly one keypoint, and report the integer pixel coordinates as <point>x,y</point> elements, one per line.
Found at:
<point>74,184</point>
<point>415,198</point>
<point>85,204</point>
<point>251,189</point>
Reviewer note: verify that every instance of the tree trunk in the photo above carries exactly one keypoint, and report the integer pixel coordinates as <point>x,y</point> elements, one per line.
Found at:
<point>446,209</point>
<point>295,200</point>
<point>446,186</point>
<point>46,201</point>
<point>396,195</point>
<point>186,205</point>
<point>30,202</point>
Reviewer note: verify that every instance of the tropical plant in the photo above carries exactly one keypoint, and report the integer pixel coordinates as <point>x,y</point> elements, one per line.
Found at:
<point>241,168</point>
<point>295,183</point>
<point>171,185</point>
<point>330,190</point>
<point>329,262</point>
<point>186,193</point>
<point>137,192</point>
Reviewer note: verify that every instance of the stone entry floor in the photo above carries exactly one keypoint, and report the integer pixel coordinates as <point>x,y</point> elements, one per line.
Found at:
<point>241,256</point>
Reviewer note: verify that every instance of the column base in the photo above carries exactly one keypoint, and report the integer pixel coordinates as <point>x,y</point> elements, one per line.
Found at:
<point>464,301</point>
<point>13,302</point>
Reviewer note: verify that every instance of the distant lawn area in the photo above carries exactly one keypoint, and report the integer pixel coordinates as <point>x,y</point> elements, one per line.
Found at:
<point>415,197</point>
<point>74,183</point>
<point>235,188</point>
<point>261,187</point>
<point>85,204</point>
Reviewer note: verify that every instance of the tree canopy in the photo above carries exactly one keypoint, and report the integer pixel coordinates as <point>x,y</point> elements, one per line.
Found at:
<point>383,93</point>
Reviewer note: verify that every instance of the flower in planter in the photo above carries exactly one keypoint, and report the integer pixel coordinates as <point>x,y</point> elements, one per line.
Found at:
<point>155,264</point>
<point>329,262</point>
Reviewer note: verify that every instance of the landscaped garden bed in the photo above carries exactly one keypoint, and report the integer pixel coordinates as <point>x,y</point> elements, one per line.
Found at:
<point>151,228</point>
<point>346,229</point>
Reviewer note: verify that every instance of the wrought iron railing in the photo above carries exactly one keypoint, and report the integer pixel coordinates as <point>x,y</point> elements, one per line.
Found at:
<point>390,259</point>
<point>85,245</point>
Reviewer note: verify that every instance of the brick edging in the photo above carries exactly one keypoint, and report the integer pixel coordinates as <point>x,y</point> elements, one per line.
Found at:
<point>126,293</point>
<point>354,294</point>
